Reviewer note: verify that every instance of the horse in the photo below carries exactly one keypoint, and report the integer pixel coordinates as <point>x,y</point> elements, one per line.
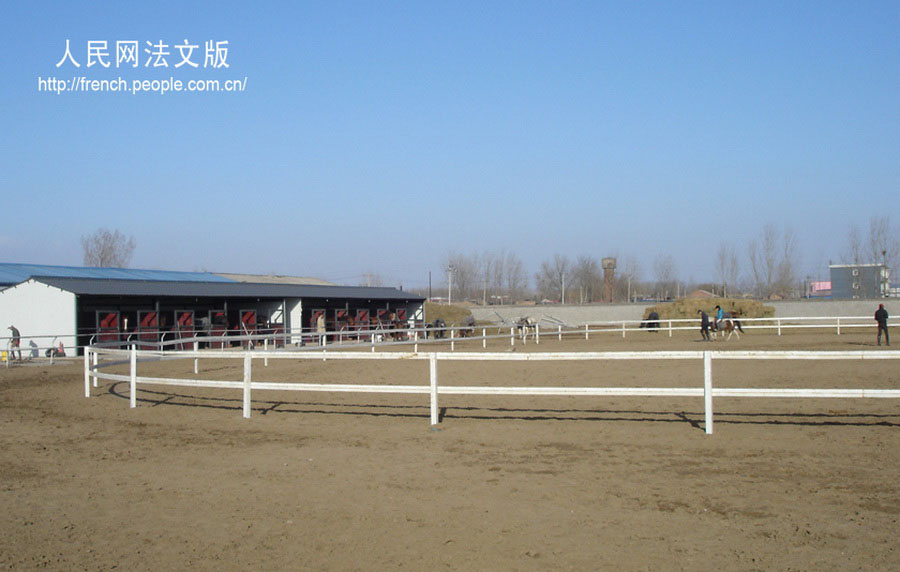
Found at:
<point>525,326</point>
<point>651,323</point>
<point>436,329</point>
<point>729,325</point>
<point>468,329</point>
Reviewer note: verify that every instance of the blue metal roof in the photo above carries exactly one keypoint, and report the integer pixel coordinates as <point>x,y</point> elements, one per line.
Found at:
<point>197,289</point>
<point>15,273</point>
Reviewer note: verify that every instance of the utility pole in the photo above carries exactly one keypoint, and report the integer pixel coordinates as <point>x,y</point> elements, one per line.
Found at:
<point>450,270</point>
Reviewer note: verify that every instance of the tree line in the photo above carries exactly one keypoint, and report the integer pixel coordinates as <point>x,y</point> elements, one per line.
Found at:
<point>770,266</point>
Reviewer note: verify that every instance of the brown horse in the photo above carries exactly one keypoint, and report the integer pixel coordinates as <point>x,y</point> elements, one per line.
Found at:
<point>729,325</point>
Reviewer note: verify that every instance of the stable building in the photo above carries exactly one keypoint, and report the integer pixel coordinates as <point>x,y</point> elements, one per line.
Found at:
<point>77,306</point>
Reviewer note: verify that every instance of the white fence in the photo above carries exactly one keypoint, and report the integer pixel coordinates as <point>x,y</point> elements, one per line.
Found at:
<point>93,373</point>
<point>778,325</point>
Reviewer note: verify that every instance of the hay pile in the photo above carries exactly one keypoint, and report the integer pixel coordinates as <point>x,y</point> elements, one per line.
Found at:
<point>687,308</point>
<point>452,315</point>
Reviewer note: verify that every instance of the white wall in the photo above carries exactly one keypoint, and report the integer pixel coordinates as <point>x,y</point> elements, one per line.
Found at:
<point>38,310</point>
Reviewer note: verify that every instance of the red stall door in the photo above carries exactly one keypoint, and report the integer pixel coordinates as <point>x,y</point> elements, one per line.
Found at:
<point>248,326</point>
<point>107,326</point>
<point>184,328</point>
<point>148,329</point>
<point>218,328</point>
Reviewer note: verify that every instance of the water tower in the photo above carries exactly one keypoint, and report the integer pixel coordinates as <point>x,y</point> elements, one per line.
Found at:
<point>609,275</point>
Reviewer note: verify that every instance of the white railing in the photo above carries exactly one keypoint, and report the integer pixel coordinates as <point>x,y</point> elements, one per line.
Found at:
<point>93,373</point>
<point>836,323</point>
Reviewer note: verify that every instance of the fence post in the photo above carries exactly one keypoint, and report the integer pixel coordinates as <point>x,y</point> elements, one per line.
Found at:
<point>373,343</point>
<point>133,396</point>
<point>87,371</point>
<point>452,340</point>
<point>707,393</point>
<point>266,349</point>
<point>838,326</point>
<point>95,358</point>
<point>247,380</point>
<point>623,328</point>
<point>670,328</point>
<point>586,332</point>
<point>432,366</point>
<point>778,321</point>
<point>537,334</point>
<point>512,336</point>
<point>560,333</point>
<point>196,359</point>
<point>416,338</point>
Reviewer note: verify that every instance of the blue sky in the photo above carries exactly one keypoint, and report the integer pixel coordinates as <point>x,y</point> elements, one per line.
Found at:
<point>383,136</point>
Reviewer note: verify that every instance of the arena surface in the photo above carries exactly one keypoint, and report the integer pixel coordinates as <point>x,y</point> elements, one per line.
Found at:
<point>317,481</point>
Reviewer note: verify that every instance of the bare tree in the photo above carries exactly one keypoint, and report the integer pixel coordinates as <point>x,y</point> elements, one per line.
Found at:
<point>463,271</point>
<point>666,276</point>
<point>492,274</point>
<point>372,279</point>
<point>854,252</point>
<point>586,276</point>
<point>727,267</point>
<point>786,275</point>
<point>515,278</point>
<point>628,279</point>
<point>773,268</point>
<point>108,249</point>
<point>884,245</point>
<point>553,278</point>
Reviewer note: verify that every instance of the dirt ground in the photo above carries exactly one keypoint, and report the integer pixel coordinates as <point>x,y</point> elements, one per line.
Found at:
<point>344,481</point>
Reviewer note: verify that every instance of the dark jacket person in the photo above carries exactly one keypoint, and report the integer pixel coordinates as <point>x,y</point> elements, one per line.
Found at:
<point>881,316</point>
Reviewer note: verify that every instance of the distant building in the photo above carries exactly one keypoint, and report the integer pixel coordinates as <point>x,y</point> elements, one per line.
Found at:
<point>860,281</point>
<point>819,289</point>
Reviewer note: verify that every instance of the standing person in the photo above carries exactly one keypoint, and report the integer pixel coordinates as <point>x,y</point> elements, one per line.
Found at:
<point>881,316</point>
<point>16,338</point>
<point>704,326</point>
<point>320,328</point>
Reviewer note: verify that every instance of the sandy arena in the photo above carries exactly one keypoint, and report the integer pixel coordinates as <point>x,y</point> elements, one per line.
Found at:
<point>342,481</point>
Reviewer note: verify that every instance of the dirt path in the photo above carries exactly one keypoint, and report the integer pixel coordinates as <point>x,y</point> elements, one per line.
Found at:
<point>361,482</point>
